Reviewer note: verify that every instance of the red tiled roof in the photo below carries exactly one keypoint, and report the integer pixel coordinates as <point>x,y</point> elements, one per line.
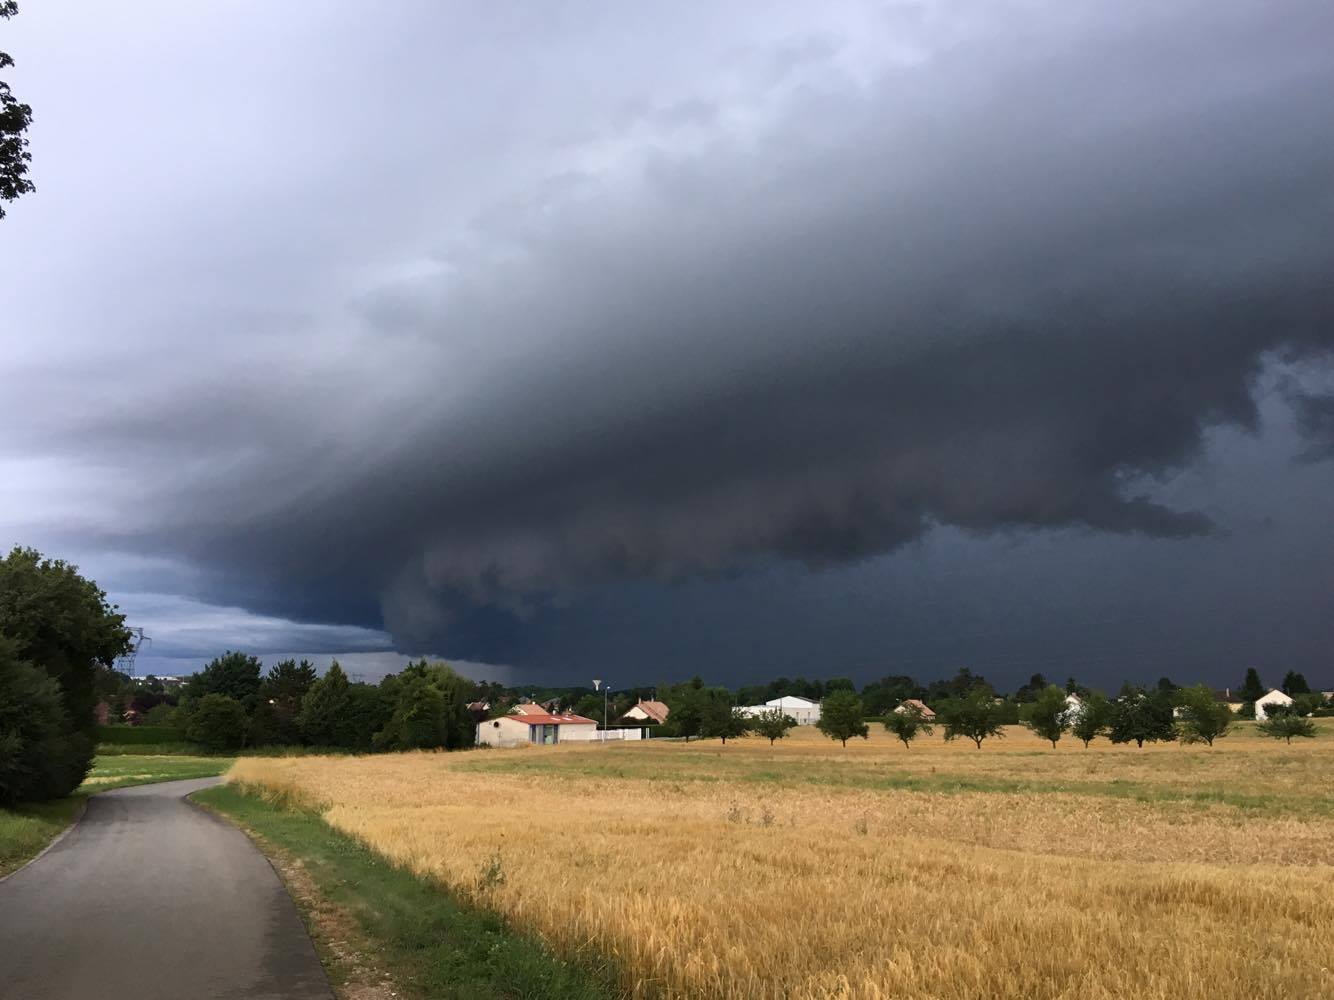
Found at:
<point>655,710</point>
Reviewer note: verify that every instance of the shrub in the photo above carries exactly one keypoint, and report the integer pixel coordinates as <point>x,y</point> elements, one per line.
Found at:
<point>1285,727</point>
<point>218,723</point>
<point>841,717</point>
<point>41,756</point>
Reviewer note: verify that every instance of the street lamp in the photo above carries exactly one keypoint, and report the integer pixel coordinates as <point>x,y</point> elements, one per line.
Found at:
<point>597,686</point>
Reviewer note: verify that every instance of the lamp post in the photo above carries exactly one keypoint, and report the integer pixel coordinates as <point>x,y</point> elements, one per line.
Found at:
<point>597,686</point>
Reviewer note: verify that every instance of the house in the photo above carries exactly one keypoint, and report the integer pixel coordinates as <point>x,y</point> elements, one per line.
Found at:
<point>806,713</point>
<point>535,727</point>
<point>651,712</point>
<point>1274,697</point>
<point>530,708</point>
<point>479,710</point>
<point>921,707</point>
<point>1074,708</point>
<point>1232,701</point>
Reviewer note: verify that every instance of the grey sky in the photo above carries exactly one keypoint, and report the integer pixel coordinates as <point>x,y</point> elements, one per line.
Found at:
<point>742,338</point>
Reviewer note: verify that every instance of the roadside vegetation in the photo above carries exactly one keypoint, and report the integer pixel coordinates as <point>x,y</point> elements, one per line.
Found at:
<point>370,918</point>
<point>1015,871</point>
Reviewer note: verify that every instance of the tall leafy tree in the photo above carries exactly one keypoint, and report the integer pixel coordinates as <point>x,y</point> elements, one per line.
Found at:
<point>324,718</point>
<point>1049,716</point>
<point>1251,688</point>
<point>842,717</point>
<point>772,725</point>
<point>15,117</point>
<point>1139,717</point>
<point>907,724</point>
<point>1203,717</point>
<point>1295,684</point>
<point>722,721</point>
<point>61,622</point>
<point>887,693</point>
<point>233,674</point>
<point>1092,718</point>
<point>976,716</point>
<point>39,752</point>
<point>1029,692</point>
<point>280,697</point>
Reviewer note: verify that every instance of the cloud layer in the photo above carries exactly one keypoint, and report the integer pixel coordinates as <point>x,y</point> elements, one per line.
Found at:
<point>547,306</point>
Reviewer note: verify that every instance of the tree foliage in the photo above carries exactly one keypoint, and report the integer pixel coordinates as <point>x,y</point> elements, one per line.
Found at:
<point>772,725</point>
<point>429,709</point>
<point>907,723</point>
<point>325,711</point>
<point>722,721</point>
<point>1252,689</point>
<point>1049,715</point>
<point>1203,717</point>
<point>1141,717</point>
<point>976,716</point>
<point>235,675</point>
<point>842,717</point>
<point>15,117</point>
<point>1090,720</point>
<point>218,723</point>
<point>1294,684</point>
<point>41,755</point>
<point>61,623</point>
<point>1285,727</point>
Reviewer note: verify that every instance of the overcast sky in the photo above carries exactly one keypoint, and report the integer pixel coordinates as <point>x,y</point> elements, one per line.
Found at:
<point>639,340</point>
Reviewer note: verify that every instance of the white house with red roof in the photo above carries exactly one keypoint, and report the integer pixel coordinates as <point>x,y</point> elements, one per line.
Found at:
<point>541,728</point>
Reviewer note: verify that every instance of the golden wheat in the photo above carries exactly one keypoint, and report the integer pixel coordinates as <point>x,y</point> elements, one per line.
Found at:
<point>809,871</point>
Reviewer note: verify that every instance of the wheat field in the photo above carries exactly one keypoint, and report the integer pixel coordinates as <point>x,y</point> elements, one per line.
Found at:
<point>805,870</point>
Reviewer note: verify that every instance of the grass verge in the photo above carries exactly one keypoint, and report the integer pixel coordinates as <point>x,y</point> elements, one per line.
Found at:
<point>27,829</point>
<point>372,921</point>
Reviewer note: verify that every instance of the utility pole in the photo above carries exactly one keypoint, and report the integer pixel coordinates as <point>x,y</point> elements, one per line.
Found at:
<point>597,685</point>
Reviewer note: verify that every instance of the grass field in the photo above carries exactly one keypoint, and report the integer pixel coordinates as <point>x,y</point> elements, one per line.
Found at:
<point>807,870</point>
<point>26,830</point>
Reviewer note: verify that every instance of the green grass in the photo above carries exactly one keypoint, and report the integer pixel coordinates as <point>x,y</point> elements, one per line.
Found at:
<point>432,943</point>
<point>24,831</point>
<point>27,829</point>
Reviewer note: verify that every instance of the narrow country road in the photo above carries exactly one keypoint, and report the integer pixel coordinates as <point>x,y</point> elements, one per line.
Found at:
<point>150,898</point>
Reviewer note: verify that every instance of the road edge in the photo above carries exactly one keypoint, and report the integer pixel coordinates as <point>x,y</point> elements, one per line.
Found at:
<point>78,818</point>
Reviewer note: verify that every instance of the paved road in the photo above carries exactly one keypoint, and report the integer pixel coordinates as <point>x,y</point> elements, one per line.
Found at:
<point>149,898</point>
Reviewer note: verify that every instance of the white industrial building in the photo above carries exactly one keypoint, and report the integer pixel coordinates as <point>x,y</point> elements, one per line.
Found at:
<point>806,713</point>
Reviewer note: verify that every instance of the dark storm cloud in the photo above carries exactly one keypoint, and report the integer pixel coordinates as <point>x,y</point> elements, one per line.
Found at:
<point>978,267</point>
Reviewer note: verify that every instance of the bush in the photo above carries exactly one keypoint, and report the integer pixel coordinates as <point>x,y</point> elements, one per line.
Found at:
<point>41,756</point>
<point>140,735</point>
<point>218,723</point>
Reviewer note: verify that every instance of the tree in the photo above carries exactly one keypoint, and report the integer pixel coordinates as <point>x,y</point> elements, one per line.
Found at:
<point>906,724</point>
<point>1251,688</point>
<point>1295,684</point>
<point>961,685</point>
<point>975,716</point>
<point>723,721</point>
<point>40,752</point>
<point>218,723</point>
<point>1030,691</point>
<point>235,675</point>
<point>842,717</point>
<point>1048,716</point>
<point>14,121</point>
<point>429,709</point>
<point>880,696</point>
<point>280,696</point>
<point>1203,717</point>
<point>772,725</point>
<point>323,719</point>
<point>1092,717</point>
<point>1141,717</point>
<point>1285,727</point>
<point>60,622</point>
<point>685,703</point>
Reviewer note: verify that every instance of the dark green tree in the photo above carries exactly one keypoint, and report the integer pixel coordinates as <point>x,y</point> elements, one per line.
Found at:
<point>40,752</point>
<point>1029,692</point>
<point>1251,688</point>
<point>1285,727</point>
<point>15,118</point>
<point>907,723</point>
<point>888,693</point>
<point>429,709</point>
<point>60,622</point>
<point>1295,684</point>
<point>235,675</point>
<point>842,716</point>
<point>218,723</point>
<point>324,719</point>
<point>1203,718</point>
<point>772,725</point>
<point>686,704</point>
<point>279,701</point>
<point>722,721</point>
<point>1048,715</point>
<point>976,716</point>
<point>1141,717</point>
<point>1090,720</point>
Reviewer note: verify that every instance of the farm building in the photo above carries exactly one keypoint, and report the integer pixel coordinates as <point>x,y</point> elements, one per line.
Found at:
<point>534,727</point>
<point>806,713</point>
<point>1274,697</point>
<point>651,712</point>
<point>921,707</point>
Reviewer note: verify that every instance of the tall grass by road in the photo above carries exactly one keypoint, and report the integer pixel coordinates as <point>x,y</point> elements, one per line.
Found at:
<point>806,870</point>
